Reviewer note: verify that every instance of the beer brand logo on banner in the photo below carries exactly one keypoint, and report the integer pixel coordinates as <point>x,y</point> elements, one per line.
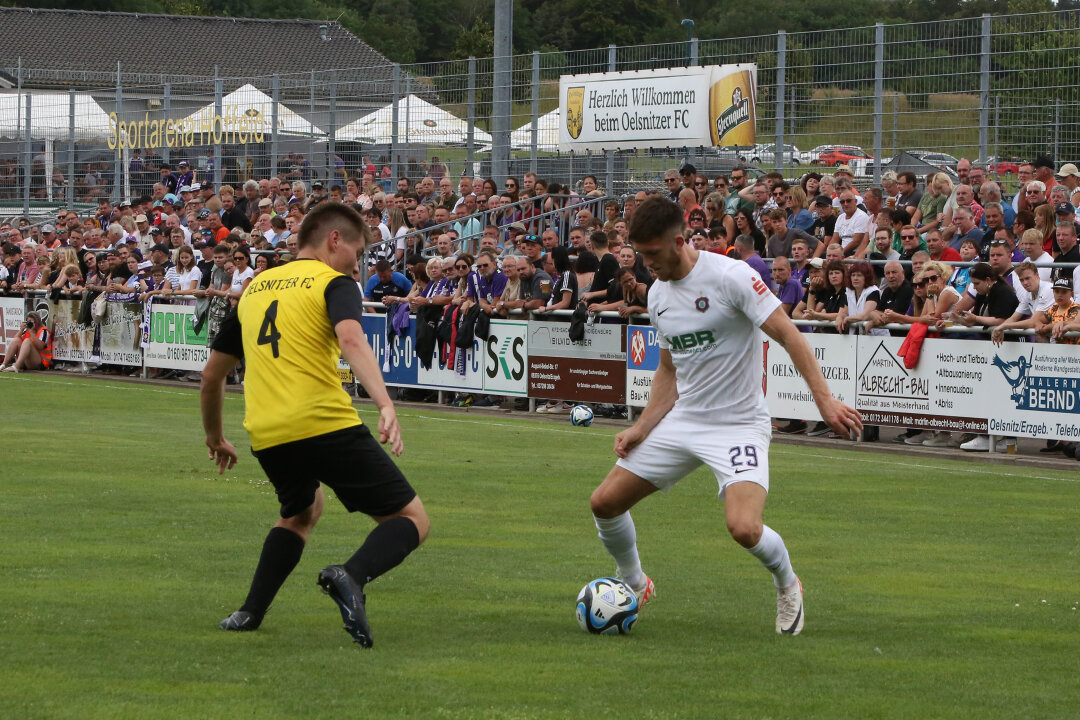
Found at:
<point>732,117</point>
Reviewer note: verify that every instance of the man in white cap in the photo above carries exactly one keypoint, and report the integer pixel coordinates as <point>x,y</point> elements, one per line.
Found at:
<point>143,239</point>
<point>48,237</point>
<point>1069,175</point>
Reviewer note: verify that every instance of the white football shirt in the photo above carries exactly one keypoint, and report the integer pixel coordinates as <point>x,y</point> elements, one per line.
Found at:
<point>1043,299</point>
<point>709,323</point>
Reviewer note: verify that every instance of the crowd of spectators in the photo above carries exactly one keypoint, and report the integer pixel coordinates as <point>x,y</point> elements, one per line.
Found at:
<point>849,257</point>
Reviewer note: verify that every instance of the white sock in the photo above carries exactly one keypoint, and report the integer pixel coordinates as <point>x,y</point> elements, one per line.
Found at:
<point>620,538</point>
<point>772,553</point>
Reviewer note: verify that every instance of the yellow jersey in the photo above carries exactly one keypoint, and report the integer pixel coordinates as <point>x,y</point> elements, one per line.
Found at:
<point>285,320</point>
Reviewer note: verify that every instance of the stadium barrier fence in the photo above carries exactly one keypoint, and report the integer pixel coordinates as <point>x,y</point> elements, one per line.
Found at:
<point>1010,88</point>
<point>957,384</point>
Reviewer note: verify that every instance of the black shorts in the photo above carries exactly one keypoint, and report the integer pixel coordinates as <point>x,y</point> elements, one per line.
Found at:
<point>350,461</point>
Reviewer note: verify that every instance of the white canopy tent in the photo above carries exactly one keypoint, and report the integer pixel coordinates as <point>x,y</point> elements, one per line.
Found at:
<point>50,120</point>
<point>418,122</point>
<point>259,108</point>
<point>547,133</point>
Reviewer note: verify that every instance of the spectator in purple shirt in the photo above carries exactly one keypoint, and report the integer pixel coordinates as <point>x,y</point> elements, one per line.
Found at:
<point>744,246</point>
<point>492,282</point>
<point>787,289</point>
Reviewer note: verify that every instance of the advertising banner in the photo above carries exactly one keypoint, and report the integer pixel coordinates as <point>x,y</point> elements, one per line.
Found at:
<point>642,361</point>
<point>506,358</point>
<point>785,389</point>
<point>497,366</point>
<point>1035,389</point>
<point>732,105</point>
<point>669,108</point>
<point>12,316</point>
<point>593,370</point>
<point>400,367</point>
<point>939,393</point>
<point>1016,389</point>
<point>173,342</point>
<point>121,334</point>
<point>72,341</point>
<point>450,375</point>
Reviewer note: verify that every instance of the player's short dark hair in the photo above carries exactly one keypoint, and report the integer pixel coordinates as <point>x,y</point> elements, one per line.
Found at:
<point>383,266</point>
<point>599,239</point>
<point>655,216</point>
<point>331,216</point>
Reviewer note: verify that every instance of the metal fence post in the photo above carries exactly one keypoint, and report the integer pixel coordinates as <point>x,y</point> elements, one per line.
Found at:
<point>1057,127</point>
<point>609,155</point>
<point>694,52</point>
<point>997,110</point>
<point>781,81</point>
<point>311,119</point>
<point>984,86</point>
<point>408,110</point>
<point>219,174</point>
<point>114,192</point>
<point>331,150</point>
<point>394,123</point>
<point>896,122</point>
<point>71,152</point>
<point>879,88</point>
<point>503,81</point>
<point>534,132</point>
<point>28,157</point>
<point>471,118</point>
<point>275,90</point>
<point>166,104</point>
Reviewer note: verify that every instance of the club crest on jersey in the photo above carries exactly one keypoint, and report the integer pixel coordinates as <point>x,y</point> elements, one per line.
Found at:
<point>701,304</point>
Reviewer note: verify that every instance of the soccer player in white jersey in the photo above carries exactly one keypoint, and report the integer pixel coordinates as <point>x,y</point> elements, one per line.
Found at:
<point>706,404</point>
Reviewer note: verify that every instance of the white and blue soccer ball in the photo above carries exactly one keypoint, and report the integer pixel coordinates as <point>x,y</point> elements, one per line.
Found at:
<point>607,606</point>
<point>581,415</point>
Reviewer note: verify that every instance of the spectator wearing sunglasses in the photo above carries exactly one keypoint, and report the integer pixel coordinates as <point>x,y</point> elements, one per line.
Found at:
<point>671,181</point>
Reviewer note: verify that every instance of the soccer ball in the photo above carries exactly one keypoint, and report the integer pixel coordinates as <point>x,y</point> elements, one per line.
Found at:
<point>581,415</point>
<point>607,606</point>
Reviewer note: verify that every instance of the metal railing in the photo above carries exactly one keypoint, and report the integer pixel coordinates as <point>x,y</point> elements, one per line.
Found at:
<point>559,219</point>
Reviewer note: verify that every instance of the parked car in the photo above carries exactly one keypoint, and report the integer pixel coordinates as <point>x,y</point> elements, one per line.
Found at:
<point>766,153</point>
<point>1000,165</point>
<point>811,157</point>
<point>733,153</point>
<point>938,159</point>
<point>838,155</point>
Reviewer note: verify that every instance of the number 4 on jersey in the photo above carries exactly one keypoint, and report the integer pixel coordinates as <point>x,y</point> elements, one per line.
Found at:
<point>268,333</point>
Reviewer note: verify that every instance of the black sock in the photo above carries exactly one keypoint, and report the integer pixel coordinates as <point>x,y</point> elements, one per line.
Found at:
<point>387,545</point>
<point>280,554</point>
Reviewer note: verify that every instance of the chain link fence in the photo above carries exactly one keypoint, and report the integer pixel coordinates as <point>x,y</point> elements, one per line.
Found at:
<point>993,89</point>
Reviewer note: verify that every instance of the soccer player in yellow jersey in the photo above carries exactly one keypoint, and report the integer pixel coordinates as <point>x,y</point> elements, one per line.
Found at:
<point>291,324</point>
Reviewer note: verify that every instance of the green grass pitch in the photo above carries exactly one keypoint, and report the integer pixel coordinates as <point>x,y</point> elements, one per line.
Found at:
<point>934,589</point>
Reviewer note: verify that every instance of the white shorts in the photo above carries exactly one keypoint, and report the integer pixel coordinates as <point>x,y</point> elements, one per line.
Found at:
<point>675,448</point>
